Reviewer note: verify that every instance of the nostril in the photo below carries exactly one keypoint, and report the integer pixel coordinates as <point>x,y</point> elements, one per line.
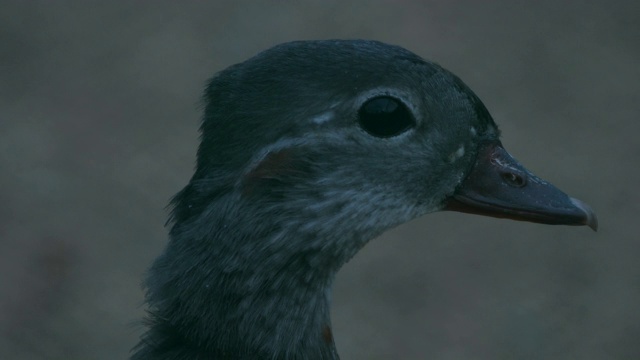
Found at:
<point>514,179</point>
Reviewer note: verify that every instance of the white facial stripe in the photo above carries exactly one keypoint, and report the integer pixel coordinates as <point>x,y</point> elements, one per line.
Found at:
<point>285,143</point>
<point>323,118</point>
<point>457,154</point>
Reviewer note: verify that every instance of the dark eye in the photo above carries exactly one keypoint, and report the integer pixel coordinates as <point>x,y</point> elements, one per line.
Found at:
<point>384,117</point>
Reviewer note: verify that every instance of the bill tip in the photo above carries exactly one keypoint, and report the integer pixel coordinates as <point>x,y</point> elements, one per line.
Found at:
<point>591,220</point>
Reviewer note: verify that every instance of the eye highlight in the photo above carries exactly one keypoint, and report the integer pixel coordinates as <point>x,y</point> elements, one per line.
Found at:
<point>384,117</point>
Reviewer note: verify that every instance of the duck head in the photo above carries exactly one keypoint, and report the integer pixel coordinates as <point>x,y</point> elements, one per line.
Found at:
<point>309,150</point>
<point>361,135</point>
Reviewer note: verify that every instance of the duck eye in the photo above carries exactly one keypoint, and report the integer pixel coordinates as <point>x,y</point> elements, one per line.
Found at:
<point>385,117</point>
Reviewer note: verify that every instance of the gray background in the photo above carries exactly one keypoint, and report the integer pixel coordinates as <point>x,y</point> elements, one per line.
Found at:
<point>98,128</point>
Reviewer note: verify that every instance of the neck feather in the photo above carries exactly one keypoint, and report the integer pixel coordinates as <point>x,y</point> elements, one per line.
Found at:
<point>223,289</point>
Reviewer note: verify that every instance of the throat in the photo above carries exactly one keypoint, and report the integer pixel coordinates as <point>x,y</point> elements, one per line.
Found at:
<point>230,305</point>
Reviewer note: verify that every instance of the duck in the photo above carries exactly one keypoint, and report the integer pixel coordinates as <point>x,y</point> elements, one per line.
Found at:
<point>309,150</point>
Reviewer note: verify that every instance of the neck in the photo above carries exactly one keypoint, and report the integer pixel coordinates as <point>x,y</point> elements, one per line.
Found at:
<point>240,295</point>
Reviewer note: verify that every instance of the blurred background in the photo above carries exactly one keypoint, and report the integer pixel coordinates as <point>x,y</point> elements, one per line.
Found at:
<point>99,109</point>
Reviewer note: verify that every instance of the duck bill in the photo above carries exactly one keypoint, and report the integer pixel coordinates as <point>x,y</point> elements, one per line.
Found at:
<point>499,186</point>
